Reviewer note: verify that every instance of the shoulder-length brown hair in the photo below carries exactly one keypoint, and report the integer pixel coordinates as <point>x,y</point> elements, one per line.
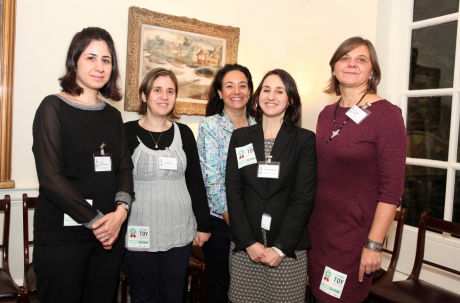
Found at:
<point>146,87</point>
<point>79,43</point>
<point>292,113</point>
<point>344,48</point>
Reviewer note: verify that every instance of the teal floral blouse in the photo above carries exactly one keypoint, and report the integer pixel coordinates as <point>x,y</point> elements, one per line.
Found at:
<point>214,135</point>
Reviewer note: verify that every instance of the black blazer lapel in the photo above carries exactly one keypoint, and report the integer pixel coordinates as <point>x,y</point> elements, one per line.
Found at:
<point>257,137</point>
<point>285,134</point>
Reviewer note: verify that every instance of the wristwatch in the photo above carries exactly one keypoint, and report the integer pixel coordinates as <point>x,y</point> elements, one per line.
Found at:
<point>124,205</point>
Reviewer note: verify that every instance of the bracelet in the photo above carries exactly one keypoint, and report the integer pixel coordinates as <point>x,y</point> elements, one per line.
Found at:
<point>374,245</point>
<point>279,252</point>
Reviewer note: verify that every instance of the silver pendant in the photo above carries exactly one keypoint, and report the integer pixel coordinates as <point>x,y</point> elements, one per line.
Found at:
<point>335,133</point>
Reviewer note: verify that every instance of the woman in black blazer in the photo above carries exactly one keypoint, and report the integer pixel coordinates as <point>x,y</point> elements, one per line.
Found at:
<point>271,183</point>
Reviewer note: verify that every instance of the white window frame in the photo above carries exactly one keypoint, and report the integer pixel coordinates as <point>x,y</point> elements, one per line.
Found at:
<point>394,30</point>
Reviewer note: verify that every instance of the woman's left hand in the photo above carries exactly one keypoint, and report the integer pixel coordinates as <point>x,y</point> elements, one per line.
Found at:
<point>201,238</point>
<point>107,228</point>
<point>370,262</point>
<point>272,259</point>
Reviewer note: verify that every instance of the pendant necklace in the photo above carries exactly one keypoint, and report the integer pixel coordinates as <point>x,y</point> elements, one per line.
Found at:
<point>156,142</point>
<point>335,133</point>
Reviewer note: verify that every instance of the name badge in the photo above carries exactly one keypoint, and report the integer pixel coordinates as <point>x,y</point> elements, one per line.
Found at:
<point>138,237</point>
<point>68,221</point>
<point>168,163</point>
<point>102,162</point>
<point>268,169</point>
<point>266,221</point>
<point>245,155</point>
<point>357,114</point>
<point>333,282</point>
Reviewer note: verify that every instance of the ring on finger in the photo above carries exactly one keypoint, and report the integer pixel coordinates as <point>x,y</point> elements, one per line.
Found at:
<point>106,239</point>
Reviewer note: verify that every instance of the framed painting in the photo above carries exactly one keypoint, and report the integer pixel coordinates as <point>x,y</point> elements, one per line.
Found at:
<point>194,50</point>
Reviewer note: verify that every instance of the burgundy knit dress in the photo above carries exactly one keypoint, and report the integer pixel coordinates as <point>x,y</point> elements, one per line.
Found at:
<point>361,166</point>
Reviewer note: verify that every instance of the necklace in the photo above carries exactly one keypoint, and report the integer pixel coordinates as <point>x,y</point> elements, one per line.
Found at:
<point>156,142</point>
<point>246,122</point>
<point>335,133</point>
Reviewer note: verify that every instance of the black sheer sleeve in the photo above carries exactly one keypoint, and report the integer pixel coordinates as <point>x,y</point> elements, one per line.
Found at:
<point>47,149</point>
<point>125,171</point>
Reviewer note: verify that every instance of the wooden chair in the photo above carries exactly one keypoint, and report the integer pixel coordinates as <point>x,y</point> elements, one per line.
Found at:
<point>30,281</point>
<point>382,275</point>
<point>413,289</point>
<point>123,286</point>
<point>197,253</point>
<point>9,290</point>
<point>196,272</point>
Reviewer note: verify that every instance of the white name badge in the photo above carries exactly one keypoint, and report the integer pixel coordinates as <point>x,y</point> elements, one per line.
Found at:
<point>138,236</point>
<point>168,163</point>
<point>357,114</point>
<point>266,221</point>
<point>268,170</point>
<point>68,221</point>
<point>245,155</point>
<point>333,282</point>
<point>102,163</point>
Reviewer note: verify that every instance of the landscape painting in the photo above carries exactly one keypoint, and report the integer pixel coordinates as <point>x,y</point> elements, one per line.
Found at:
<point>193,58</point>
<point>194,50</point>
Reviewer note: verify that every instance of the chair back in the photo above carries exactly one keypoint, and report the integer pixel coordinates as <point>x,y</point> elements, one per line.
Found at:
<point>28,203</point>
<point>5,207</point>
<point>427,222</point>
<point>29,288</point>
<point>387,276</point>
<point>9,290</point>
<point>414,290</point>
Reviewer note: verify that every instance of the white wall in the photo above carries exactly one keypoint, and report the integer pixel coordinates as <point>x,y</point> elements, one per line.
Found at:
<point>297,35</point>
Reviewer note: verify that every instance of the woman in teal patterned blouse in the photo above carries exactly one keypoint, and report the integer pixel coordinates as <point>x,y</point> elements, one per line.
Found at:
<point>227,109</point>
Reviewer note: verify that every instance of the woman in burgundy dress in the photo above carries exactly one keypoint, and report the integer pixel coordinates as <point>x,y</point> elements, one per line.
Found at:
<point>361,148</point>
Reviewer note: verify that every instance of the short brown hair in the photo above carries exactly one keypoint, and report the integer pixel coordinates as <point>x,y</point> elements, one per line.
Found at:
<point>146,87</point>
<point>344,48</point>
<point>79,43</point>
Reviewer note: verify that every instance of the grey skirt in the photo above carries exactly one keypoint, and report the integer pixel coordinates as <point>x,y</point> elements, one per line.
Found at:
<point>258,283</point>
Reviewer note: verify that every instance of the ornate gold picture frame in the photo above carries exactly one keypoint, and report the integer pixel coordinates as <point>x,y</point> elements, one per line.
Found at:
<point>193,49</point>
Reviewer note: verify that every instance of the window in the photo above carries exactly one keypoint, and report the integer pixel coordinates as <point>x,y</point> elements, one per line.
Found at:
<point>431,106</point>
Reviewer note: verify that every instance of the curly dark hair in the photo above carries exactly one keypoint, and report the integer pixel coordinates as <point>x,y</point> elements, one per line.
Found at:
<point>215,104</point>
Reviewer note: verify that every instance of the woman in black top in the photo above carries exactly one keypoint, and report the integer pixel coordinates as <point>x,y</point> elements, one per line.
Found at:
<point>85,175</point>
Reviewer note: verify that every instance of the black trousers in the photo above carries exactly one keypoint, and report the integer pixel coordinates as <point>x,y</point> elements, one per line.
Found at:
<point>157,277</point>
<point>83,273</point>
<point>216,253</point>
